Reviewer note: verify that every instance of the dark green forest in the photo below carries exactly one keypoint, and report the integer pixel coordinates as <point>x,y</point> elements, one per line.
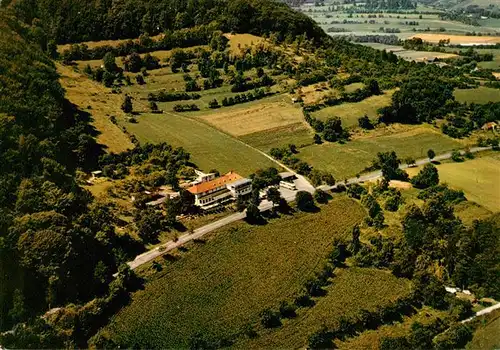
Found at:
<point>74,21</point>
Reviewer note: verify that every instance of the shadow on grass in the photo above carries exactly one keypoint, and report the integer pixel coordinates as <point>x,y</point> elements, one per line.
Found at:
<point>170,258</point>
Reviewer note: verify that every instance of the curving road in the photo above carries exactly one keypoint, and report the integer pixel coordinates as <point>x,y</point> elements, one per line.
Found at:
<point>288,195</point>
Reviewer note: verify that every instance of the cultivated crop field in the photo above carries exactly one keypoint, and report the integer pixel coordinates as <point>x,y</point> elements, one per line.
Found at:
<point>458,39</point>
<point>370,339</point>
<point>351,158</point>
<point>209,148</point>
<point>257,118</point>
<point>350,112</point>
<point>218,287</point>
<point>352,289</point>
<point>331,16</point>
<point>479,95</point>
<point>478,178</point>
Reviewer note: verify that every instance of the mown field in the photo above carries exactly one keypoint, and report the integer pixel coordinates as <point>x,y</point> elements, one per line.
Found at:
<point>370,339</point>
<point>219,287</point>
<point>352,289</point>
<point>299,134</point>
<point>257,118</point>
<point>350,112</point>
<point>478,178</point>
<point>209,148</point>
<point>346,160</point>
<point>479,95</point>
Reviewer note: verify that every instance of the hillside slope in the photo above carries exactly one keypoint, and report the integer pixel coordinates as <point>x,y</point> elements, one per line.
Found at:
<point>76,21</point>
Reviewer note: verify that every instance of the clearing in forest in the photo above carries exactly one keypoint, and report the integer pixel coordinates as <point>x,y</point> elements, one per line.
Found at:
<point>240,41</point>
<point>94,44</point>
<point>97,100</point>
<point>219,287</point>
<point>261,117</point>
<point>478,178</point>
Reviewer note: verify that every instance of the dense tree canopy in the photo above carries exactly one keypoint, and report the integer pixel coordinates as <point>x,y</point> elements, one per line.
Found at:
<point>75,21</point>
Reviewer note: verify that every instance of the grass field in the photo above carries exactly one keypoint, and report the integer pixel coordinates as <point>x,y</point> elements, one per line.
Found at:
<point>469,211</point>
<point>86,93</point>
<point>209,148</point>
<point>351,158</point>
<point>298,134</point>
<point>478,178</point>
<point>240,41</point>
<point>370,339</point>
<point>222,285</point>
<point>479,95</point>
<point>350,112</point>
<point>262,117</point>
<point>352,289</point>
<point>487,335</point>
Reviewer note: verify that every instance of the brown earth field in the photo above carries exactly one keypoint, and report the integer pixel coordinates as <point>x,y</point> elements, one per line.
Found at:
<point>458,39</point>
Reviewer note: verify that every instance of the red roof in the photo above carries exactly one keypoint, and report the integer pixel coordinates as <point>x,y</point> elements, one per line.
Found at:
<point>212,184</point>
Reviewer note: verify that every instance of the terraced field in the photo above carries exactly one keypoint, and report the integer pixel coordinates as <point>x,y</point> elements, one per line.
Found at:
<point>219,287</point>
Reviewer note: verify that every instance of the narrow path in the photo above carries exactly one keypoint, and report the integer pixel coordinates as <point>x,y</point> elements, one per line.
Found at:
<point>265,205</point>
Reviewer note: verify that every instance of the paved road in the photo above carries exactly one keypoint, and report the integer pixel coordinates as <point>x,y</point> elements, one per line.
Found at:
<point>483,312</point>
<point>288,195</point>
<point>377,174</point>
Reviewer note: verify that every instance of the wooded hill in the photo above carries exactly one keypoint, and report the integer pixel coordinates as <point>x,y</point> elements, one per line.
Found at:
<point>74,21</point>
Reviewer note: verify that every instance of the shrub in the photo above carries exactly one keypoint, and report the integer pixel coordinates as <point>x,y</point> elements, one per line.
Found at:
<point>456,156</point>
<point>270,319</point>
<point>427,177</point>
<point>304,201</point>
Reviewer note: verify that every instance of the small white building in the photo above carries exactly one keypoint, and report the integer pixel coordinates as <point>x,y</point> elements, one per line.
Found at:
<point>95,174</point>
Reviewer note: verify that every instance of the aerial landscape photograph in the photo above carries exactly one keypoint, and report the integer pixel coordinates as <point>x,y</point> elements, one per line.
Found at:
<point>250,174</point>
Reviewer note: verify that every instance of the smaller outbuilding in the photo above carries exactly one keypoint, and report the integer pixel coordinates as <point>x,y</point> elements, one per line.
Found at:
<point>489,126</point>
